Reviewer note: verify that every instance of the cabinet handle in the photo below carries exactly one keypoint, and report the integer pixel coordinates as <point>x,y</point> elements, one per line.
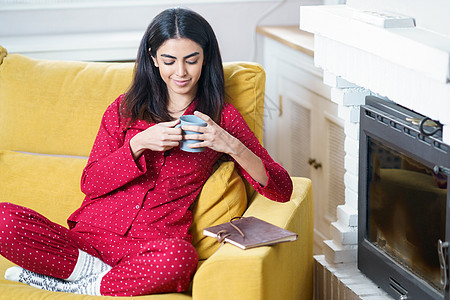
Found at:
<point>280,105</point>
<point>312,162</point>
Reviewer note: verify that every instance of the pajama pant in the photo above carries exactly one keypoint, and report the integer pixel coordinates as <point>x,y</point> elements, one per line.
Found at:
<point>139,266</point>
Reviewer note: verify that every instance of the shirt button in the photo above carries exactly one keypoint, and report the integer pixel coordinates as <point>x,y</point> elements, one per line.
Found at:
<point>138,206</point>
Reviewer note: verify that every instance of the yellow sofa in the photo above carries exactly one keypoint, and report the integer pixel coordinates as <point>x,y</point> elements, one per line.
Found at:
<point>50,112</point>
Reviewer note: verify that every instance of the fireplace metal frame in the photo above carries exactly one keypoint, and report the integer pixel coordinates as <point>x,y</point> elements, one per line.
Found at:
<point>386,122</point>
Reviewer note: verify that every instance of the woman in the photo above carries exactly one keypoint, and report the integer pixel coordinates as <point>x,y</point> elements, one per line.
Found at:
<point>130,235</point>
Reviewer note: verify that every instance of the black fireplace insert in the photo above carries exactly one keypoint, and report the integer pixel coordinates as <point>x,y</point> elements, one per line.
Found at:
<point>404,207</point>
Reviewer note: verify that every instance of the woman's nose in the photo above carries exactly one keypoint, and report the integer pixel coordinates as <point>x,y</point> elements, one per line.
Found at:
<point>181,69</point>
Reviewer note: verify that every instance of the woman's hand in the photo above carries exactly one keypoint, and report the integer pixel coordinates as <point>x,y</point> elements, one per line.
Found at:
<point>216,138</point>
<point>212,136</point>
<point>160,137</point>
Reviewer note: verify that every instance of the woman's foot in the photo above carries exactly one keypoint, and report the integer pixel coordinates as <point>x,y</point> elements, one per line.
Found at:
<point>88,285</point>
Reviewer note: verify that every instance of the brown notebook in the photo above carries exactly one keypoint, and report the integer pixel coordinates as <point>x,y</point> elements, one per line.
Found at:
<point>250,232</point>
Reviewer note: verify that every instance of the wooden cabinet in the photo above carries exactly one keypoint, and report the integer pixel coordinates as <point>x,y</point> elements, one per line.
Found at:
<point>302,129</point>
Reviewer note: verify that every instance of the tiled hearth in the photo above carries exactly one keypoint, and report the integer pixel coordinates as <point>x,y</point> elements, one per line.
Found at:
<point>409,66</point>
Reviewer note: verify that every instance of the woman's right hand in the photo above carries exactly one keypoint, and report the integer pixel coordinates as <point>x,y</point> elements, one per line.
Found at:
<point>160,137</point>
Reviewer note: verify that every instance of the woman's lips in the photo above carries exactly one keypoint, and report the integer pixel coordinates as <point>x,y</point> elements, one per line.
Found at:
<point>181,83</point>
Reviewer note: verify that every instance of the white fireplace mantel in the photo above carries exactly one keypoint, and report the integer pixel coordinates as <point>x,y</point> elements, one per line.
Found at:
<point>413,47</point>
<point>410,66</point>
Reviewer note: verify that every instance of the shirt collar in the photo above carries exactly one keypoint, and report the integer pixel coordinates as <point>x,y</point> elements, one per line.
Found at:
<point>191,108</point>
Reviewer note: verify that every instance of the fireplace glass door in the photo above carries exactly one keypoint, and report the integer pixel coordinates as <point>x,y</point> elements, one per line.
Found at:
<point>406,210</point>
<point>403,204</point>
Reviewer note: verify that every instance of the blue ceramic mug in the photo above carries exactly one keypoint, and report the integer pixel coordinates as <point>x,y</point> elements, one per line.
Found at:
<point>191,120</point>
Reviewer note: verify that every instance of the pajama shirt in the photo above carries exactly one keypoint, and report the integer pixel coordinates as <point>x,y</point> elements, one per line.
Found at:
<point>136,214</point>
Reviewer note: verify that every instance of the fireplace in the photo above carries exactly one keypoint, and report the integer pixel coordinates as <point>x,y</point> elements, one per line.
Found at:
<point>403,201</point>
<point>410,66</point>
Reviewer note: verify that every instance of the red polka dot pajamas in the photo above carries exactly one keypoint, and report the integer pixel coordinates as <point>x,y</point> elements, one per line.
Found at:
<point>135,216</point>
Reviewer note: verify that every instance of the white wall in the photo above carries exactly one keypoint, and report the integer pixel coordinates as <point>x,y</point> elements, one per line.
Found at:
<point>233,21</point>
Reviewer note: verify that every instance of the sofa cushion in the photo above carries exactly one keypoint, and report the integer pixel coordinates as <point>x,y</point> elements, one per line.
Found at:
<point>244,88</point>
<point>223,197</point>
<point>55,107</point>
<point>48,184</point>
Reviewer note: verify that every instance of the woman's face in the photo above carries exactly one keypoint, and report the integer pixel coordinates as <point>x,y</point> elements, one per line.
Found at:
<point>180,64</point>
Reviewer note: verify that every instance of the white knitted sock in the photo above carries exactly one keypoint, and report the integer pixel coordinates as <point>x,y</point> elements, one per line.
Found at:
<point>88,285</point>
<point>87,265</point>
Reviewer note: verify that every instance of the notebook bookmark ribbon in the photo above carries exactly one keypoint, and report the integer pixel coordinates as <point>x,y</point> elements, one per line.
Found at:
<point>235,227</point>
<point>222,234</point>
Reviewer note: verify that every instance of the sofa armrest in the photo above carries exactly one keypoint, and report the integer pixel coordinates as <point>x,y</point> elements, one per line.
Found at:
<point>282,271</point>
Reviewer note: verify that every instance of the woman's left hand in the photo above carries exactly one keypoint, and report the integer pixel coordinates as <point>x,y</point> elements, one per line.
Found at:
<point>212,136</point>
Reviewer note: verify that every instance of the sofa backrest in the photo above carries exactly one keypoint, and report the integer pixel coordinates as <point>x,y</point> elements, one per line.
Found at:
<point>55,107</point>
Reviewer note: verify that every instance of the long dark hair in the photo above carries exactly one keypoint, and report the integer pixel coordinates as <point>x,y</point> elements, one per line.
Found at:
<point>147,96</point>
